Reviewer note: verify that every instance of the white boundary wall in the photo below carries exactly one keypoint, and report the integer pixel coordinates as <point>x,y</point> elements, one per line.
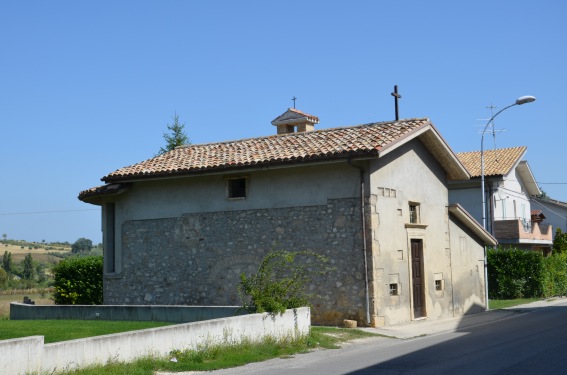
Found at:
<point>31,355</point>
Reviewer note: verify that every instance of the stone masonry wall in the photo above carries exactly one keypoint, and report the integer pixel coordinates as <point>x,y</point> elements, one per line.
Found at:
<point>197,259</point>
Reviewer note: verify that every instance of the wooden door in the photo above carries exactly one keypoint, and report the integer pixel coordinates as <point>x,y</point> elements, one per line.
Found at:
<point>417,279</point>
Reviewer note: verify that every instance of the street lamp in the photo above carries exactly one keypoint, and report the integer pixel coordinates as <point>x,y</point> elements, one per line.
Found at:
<point>521,100</point>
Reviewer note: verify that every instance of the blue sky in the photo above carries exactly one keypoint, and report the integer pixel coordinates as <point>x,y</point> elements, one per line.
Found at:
<point>89,87</point>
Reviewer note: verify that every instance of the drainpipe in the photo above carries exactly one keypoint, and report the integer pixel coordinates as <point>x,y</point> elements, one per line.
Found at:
<point>364,249</point>
<point>491,200</point>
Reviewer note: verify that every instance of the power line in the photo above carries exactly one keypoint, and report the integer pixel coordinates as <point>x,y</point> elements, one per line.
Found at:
<point>45,212</point>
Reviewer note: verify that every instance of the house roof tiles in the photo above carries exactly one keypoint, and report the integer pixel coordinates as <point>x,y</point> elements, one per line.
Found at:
<point>362,140</point>
<point>369,140</point>
<point>496,162</point>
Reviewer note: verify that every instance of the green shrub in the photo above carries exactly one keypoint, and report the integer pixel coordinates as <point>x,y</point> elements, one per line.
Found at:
<point>78,281</point>
<point>514,273</point>
<point>281,280</point>
<point>559,242</point>
<point>555,282</point>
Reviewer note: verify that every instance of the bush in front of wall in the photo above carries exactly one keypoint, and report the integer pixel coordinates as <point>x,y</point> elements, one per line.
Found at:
<point>78,281</point>
<point>281,281</point>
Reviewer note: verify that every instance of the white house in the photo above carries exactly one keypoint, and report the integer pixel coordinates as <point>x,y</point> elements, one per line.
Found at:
<point>509,188</point>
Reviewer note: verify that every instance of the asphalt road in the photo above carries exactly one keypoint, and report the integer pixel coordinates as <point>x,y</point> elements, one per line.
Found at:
<point>532,341</point>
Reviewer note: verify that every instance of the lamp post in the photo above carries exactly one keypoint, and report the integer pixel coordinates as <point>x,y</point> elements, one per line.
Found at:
<point>521,100</point>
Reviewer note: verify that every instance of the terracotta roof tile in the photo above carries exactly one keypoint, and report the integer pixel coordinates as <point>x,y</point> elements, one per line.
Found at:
<point>291,148</point>
<point>496,162</point>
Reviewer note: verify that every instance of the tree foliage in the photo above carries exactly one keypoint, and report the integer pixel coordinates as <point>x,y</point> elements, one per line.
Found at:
<point>176,137</point>
<point>29,270</point>
<point>560,242</point>
<point>82,245</point>
<point>7,262</point>
<point>281,281</point>
<point>4,277</point>
<point>78,281</point>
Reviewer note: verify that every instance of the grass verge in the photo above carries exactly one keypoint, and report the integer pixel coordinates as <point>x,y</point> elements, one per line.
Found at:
<point>219,357</point>
<point>497,304</point>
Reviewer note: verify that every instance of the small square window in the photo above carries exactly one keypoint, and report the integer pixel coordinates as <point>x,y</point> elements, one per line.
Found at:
<point>236,188</point>
<point>439,285</point>
<point>394,290</point>
<point>414,213</point>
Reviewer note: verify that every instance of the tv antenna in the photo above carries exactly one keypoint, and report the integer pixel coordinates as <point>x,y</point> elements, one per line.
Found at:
<point>491,126</point>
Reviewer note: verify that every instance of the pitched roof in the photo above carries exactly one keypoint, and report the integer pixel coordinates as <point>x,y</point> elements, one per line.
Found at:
<point>369,140</point>
<point>496,162</point>
<point>362,140</point>
<point>293,115</point>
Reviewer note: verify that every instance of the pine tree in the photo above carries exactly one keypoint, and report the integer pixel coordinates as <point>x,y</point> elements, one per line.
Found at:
<point>7,262</point>
<point>29,270</point>
<point>176,138</point>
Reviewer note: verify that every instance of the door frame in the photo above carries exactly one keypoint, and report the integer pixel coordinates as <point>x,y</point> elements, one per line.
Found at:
<point>421,249</point>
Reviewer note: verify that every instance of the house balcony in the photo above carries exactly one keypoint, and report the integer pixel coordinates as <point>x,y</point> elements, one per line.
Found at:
<point>524,233</point>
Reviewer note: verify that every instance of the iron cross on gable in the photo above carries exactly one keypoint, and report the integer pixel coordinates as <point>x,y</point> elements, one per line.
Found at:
<point>396,97</point>
<point>294,99</point>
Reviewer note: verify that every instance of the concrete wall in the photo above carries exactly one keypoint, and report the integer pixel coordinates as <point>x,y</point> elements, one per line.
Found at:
<point>410,174</point>
<point>31,355</point>
<point>466,285</point>
<point>175,314</point>
<point>469,198</point>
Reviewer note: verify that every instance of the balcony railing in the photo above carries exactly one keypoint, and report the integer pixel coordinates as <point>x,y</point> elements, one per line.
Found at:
<point>521,229</point>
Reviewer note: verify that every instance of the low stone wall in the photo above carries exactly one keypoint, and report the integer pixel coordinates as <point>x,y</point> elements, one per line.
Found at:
<point>30,355</point>
<point>174,314</point>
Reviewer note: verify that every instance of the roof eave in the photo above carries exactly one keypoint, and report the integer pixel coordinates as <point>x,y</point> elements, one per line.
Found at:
<point>460,213</point>
<point>242,168</point>
<point>96,195</point>
<point>528,178</point>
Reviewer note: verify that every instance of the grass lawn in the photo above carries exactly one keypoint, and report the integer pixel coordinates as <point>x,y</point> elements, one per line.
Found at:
<point>496,304</point>
<point>61,330</point>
